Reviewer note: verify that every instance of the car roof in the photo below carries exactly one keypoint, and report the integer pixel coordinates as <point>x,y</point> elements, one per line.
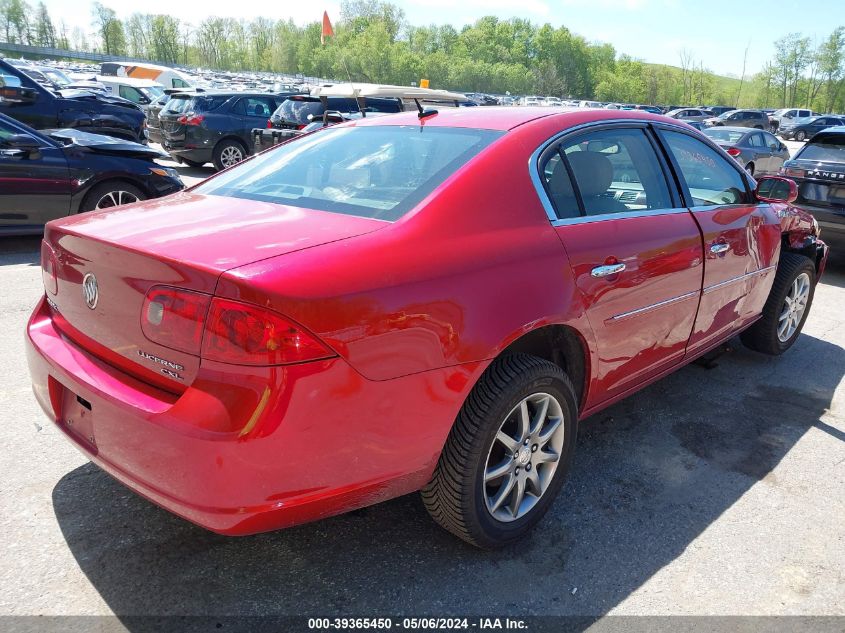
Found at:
<point>836,129</point>
<point>189,93</point>
<point>508,117</point>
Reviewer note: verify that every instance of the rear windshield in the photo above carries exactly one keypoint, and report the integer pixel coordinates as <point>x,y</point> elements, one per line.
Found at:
<point>828,148</point>
<point>724,136</point>
<point>298,110</point>
<point>375,172</point>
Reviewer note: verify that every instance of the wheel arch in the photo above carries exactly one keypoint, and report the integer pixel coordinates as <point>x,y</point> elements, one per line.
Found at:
<point>562,345</point>
<point>231,137</point>
<point>81,199</point>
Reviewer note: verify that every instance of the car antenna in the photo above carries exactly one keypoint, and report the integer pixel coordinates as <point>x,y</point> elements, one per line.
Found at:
<point>424,112</point>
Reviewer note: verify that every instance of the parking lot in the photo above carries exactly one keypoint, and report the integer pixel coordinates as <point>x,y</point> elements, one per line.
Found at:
<point>713,491</point>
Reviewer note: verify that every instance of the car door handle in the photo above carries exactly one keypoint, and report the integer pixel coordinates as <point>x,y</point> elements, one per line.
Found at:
<point>716,249</point>
<point>609,269</point>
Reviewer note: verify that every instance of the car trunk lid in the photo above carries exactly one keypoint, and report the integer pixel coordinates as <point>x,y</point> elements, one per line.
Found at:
<point>185,241</point>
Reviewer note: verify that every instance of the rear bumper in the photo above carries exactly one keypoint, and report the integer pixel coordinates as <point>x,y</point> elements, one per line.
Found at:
<point>198,155</point>
<point>299,443</point>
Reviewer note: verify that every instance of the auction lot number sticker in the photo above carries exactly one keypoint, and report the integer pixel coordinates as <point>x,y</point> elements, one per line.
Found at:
<point>416,624</point>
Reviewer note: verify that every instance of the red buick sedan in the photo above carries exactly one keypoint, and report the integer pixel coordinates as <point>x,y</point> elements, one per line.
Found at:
<point>417,302</point>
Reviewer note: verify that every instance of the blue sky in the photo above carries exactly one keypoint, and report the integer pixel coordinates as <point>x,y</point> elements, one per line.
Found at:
<point>714,31</point>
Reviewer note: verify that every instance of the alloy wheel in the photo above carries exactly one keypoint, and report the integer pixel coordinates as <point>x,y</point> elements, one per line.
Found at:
<point>231,155</point>
<point>793,308</point>
<point>525,454</point>
<point>115,199</point>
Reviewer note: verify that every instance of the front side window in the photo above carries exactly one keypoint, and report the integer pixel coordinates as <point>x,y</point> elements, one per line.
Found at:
<point>128,92</point>
<point>372,171</point>
<point>709,176</point>
<point>615,171</point>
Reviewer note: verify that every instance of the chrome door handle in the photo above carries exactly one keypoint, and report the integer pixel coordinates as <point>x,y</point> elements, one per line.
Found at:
<point>717,249</point>
<point>610,269</point>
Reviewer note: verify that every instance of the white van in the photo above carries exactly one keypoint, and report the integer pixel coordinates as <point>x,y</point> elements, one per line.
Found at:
<point>167,77</point>
<point>140,91</point>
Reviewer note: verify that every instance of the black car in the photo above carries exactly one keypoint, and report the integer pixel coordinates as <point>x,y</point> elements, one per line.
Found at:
<point>819,171</point>
<point>297,111</point>
<point>40,108</point>
<point>802,129</point>
<point>54,173</point>
<point>214,126</point>
<point>153,125</point>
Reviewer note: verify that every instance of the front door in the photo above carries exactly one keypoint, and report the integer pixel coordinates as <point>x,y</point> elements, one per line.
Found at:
<point>741,238</point>
<point>634,250</point>
<point>34,185</point>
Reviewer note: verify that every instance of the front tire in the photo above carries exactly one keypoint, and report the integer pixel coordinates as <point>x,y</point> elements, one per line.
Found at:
<point>800,136</point>
<point>786,309</point>
<point>111,194</point>
<point>508,453</point>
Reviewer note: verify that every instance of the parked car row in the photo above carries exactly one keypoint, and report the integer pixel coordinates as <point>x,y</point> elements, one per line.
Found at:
<point>197,125</point>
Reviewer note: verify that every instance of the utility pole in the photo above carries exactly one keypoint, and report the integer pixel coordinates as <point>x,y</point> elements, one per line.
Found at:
<point>742,79</point>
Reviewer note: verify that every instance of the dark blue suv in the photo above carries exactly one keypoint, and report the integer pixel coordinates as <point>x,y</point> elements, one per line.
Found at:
<point>214,126</point>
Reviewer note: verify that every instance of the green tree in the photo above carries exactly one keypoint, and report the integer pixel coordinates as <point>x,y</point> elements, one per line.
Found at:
<point>110,30</point>
<point>45,32</point>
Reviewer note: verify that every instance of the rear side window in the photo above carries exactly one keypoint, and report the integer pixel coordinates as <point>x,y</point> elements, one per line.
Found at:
<point>709,176</point>
<point>298,110</point>
<point>615,171</point>
<point>376,172</point>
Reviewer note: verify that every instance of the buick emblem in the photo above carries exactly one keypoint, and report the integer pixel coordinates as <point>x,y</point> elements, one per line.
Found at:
<point>89,290</point>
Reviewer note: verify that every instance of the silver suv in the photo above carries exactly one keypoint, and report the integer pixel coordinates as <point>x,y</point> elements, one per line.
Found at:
<point>740,118</point>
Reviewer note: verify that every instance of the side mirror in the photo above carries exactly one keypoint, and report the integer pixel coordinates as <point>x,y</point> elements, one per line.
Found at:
<point>776,189</point>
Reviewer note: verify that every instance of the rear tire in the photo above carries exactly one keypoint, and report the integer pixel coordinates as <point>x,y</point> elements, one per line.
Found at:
<point>111,194</point>
<point>508,453</point>
<point>228,152</point>
<point>786,308</point>
<point>750,169</point>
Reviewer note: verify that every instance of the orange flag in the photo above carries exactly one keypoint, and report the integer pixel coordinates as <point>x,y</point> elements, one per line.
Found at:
<point>327,28</point>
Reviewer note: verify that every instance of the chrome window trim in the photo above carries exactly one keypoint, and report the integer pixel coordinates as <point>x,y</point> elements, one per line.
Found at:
<point>653,306</point>
<point>734,280</point>
<point>642,213</point>
<point>537,181</point>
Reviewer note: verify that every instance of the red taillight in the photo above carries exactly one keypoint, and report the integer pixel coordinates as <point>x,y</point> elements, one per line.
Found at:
<point>174,318</point>
<point>733,151</point>
<point>244,334</point>
<point>49,268</point>
<point>191,119</point>
<point>301,127</point>
<point>269,123</point>
<point>791,172</point>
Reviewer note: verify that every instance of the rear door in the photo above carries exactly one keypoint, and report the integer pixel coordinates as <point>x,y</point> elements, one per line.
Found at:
<point>741,237</point>
<point>35,186</point>
<point>252,112</point>
<point>635,251</point>
<point>760,153</point>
